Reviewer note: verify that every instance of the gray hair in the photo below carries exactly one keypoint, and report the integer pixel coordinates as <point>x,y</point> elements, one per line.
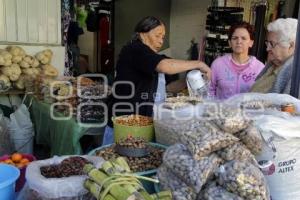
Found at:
<point>285,28</point>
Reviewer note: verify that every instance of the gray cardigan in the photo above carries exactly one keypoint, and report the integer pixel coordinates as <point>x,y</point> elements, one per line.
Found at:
<point>283,80</point>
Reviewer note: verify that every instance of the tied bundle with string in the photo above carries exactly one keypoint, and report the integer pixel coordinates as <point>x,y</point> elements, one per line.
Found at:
<point>114,181</point>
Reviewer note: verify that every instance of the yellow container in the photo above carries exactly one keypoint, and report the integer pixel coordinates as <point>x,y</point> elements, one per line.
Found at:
<point>122,131</point>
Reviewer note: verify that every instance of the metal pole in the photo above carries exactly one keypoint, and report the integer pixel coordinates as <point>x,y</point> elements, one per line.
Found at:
<point>296,65</point>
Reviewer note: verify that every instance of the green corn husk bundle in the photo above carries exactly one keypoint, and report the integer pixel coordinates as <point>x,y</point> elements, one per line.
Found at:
<point>114,181</point>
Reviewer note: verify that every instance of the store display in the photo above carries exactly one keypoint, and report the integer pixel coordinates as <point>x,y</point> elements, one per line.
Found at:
<point>243,179</point>
<point>218,22</point>
<point>194,173</point>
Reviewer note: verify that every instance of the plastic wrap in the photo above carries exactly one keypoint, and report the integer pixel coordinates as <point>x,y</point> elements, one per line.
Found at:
<point>207,140</point>
<point>251,138</point>
<point>168,180</point>
<point>243,179</point>
<point>237,151</point>
<point>56,188</point>
<point>194,173</point>
<point>212,191</point>
<point>5,144</point>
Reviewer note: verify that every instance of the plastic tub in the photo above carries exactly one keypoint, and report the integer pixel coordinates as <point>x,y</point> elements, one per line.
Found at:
<point>149,186</point>
<point>122,131</point>
<point>21,180</point>
<point>8,176</point>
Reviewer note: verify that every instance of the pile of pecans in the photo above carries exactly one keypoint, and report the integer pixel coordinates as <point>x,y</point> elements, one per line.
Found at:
<point>133,142</point>
<point>134,120</point>
<point>68,167</point>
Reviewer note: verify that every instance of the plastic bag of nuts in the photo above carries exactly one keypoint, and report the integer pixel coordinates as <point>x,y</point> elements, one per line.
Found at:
<point>252,138</point>
<point>212,191</point>
<point>168,180</point>
<point>237,151</point>
<point>243,179</point>
<point>168,131</point>
<point>229,118</point>
<point>207,140</point>
<point>194,173</point>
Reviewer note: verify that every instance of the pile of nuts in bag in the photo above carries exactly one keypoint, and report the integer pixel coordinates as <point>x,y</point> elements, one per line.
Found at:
<point>216,160</point>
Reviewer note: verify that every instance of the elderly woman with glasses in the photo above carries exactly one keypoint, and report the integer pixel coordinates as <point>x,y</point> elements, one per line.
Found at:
<point>276,76</point>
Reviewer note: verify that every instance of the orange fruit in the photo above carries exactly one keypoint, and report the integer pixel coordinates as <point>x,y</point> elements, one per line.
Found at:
<point>8,161</point>
<point>24,161</point>
<point>16,157</point>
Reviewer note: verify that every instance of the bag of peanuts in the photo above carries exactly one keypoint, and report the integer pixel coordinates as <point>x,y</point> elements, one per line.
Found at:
<point>207,139</point>
<point>194,173</point>
<point>212,191</point>
<point>169,181</point>
<point>58,178</point>
<point>280,155</point>
<point>243,179</point>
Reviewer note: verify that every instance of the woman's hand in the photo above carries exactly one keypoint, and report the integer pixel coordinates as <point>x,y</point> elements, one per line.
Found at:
<point>205,70</point>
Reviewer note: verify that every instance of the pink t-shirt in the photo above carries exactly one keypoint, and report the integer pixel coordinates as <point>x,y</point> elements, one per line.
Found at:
<point>229,78</point>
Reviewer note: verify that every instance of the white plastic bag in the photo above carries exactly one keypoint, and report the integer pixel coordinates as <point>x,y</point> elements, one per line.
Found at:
<point>5,144</point>
<point>274,98</point>
<point>21,129</point>
<point>57,188</point>
<point>282,136</point>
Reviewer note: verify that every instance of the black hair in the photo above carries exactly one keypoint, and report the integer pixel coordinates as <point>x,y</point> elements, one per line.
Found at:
<point>145,25</point>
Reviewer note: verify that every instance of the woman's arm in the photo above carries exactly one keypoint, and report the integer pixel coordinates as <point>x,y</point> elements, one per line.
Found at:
<point>174,66</point>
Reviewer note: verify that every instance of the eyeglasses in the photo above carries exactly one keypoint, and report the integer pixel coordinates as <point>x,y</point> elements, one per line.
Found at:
<point>271,44</point>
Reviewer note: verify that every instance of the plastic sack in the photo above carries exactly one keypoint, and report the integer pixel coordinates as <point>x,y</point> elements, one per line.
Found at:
<point>194,173</point>
<point>227,117</point>
<point>212,191</point>
<point>237,151</point>
<point>168,180</point>
<point>208,139</point>
<point>282,142</point>
<point>56,188</point>
<point>168,131</point>
<point>243,179</point>
<point>262,101</point>
<point>5,144</point>
<point>21,129</point>
<point>251,138</point>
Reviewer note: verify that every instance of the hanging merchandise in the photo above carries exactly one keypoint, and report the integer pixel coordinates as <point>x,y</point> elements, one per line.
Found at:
<point>81,15</point>
<point>92,20</point>
<point>218,22</point>
<point>258,50</point>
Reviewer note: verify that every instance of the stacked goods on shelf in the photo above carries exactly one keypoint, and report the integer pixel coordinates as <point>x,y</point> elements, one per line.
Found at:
<point>80,97</point>
<point>18,69</point>
<point>114,180</point>
<point>218,23</point>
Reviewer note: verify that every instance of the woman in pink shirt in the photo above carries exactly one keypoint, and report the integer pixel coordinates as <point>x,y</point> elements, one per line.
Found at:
<point>236,72</point>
